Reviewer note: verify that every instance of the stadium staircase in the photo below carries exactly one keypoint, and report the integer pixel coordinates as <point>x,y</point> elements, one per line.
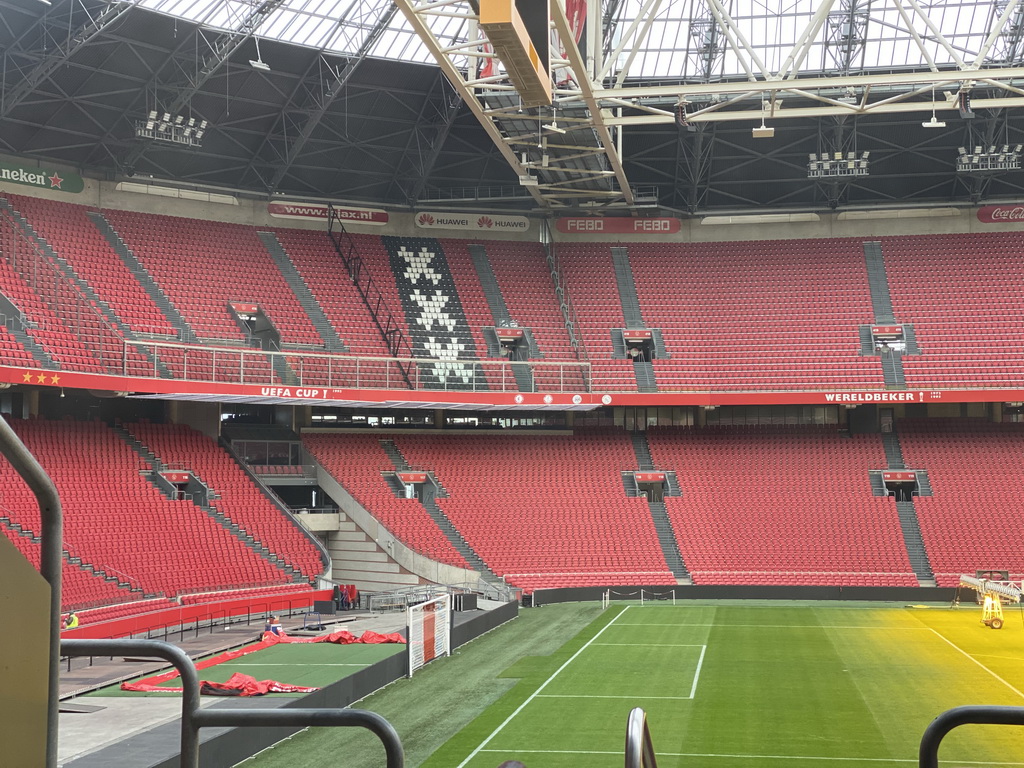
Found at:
<point>331,340</point>
<point>501,318</point>
<point>443,522</point>
<point>16,323</point>
<point>107,313</point>
<point>881,302</point>
<point>907,512</point>
<point>208,503</point>
<point>170,312</point>
<point>659,512</point>
<point>642,369</point>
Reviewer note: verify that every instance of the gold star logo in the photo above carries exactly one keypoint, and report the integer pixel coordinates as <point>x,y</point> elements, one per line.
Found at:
<point>41,378</point>
<point>27,378</point>
<point>55,379</point>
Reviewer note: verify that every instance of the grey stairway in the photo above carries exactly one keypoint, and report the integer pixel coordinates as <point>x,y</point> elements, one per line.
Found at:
<point>185,332</point>
<point>315,312</point>
<point>914,543</point>
<point>492,291</point>
<point>437,514</point>
<point>893,452</point>
<point>881,304</point>
<point>15,324</point>
<point>659,512</point>
<point>878,283</point>
<point>627,288</point>
<point>209,507</point>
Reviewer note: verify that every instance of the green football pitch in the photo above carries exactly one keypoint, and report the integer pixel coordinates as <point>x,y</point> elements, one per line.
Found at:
<point>729,685</point>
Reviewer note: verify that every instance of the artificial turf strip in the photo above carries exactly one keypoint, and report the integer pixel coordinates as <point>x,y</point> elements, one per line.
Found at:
<point>309,665</point>
<point>440,699</point>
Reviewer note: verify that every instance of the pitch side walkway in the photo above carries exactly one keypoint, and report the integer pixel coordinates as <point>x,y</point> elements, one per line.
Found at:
<point>129,732</point>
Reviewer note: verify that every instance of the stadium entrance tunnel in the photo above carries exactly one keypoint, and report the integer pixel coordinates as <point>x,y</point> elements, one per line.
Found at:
<point>902,490</point>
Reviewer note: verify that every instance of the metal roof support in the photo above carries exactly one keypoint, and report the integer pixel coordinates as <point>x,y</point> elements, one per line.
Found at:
<point>997,30</point>
<point>221,50</point>
<point>709,53</point>
<point>694,154</point>
<point>579,68</point>
<point>846,34</point>
<point>327,97</point>
<point>416,12</point>
<point>63,49</point>
<point>426,141</point>
<point>1006,48</point>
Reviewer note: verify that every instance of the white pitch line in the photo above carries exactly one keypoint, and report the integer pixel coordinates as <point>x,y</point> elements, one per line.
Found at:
<point>744,757</point>
<point>696,675</point>
<point>589,696</point>
<point>965,653</point>
<point>654,645</point>
<point>542,686</point>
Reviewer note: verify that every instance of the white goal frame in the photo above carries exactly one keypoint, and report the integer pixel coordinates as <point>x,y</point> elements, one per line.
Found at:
<point>429,631</point>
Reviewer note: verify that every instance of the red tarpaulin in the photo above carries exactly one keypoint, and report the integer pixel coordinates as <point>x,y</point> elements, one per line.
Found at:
<point>245,685</point>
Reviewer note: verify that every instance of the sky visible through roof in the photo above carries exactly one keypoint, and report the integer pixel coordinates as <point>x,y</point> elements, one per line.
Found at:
<point>669,49</point>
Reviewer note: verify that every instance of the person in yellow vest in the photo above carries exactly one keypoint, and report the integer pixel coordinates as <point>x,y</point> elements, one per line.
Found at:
<point>71,620</point>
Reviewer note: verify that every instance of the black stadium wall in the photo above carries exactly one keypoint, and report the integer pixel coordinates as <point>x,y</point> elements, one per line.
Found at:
<point>744,592</point>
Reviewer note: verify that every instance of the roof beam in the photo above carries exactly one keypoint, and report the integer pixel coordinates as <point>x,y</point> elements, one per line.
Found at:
<point>327,97</point>
<point>61,52</point>
<point>597,116</point>
<point>221,50</point>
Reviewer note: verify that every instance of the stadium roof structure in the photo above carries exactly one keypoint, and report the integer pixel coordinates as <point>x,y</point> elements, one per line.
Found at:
<point>402,103</point>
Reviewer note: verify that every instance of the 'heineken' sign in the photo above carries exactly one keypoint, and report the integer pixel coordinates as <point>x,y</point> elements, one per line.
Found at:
<point>41,178</point>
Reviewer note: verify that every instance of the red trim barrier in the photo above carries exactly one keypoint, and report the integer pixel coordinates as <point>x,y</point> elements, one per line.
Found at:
<point>187,614</point>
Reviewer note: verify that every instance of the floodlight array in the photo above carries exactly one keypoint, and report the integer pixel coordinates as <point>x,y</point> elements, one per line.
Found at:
<point>988,159</point>
<point>837,164</point>
<point>174,130</point>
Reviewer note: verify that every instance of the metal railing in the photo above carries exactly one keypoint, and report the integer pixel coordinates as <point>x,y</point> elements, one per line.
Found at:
<point>639,747</point>
<point>238,365</point>
<point>193,718</point>
<point>928,755</point>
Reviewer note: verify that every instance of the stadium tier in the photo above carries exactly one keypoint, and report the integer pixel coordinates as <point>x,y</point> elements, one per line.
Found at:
<point>757,315</point>
<point>730,316</point>
<point>973,519</point>
<point>781,505</point>
<point>233,494</point>
<point>359,463</point>
<point>963,295</point>
<point>545,511</point>
<point>117,522</point>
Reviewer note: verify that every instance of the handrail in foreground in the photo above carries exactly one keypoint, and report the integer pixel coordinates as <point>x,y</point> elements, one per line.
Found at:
<point>51,563</point>
<point>928,756</point>
<point>639,747</point>
<point>193,718</point>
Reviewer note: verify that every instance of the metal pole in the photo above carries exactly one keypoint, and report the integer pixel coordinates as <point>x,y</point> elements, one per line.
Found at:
<point>928,756</point>
<point>51,563</point>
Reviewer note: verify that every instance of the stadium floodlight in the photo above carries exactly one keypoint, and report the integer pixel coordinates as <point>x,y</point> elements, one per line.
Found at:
<point>838,164</point>
<point>171,129</point>
<point>984,161</point>
<point>934,122</point>
<point>993,594</point>
<point>258,62</point>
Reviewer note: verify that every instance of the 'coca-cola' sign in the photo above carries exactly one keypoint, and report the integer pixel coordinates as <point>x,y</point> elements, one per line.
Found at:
<point>1001,214</point>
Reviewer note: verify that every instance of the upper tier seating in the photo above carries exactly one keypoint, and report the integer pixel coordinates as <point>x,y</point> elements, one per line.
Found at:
<point>973,520</point>
<point>781,505</point>
<point>116,520</point>
<point>328,280</point>
<point>74,237</point>
<point>545,511</point>
<point>357,461</point>
<point>236,495</point>
<point>590,277</point>
<point>757,315</point>
<point>525,280</point>
<point>963,293</point>
<point>203,266</point>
